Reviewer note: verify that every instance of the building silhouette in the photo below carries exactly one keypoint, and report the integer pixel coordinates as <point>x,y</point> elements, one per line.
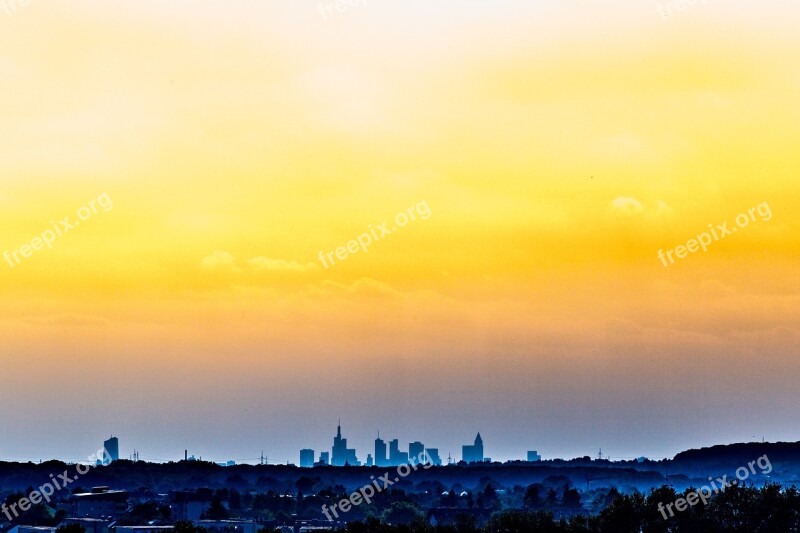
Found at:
<point>432,456</point>
<point>380,452</point>
<point>324,458</point>
<point>394,452</point>
<point>416,452</point>
<point>473,453</point>
<point>111,446</point>
<point>396,457</point>
<point>101,501</point>
<point>341,455</point>
<point>306,458</point>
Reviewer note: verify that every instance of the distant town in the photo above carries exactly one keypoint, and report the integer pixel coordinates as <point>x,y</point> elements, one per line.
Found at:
<point>341,455</point>
<point>411,488</point>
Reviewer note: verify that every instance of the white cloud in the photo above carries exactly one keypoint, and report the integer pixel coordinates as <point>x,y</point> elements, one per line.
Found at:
<point>627,204</point>
<point>219,261</point>
<point>281,265</point>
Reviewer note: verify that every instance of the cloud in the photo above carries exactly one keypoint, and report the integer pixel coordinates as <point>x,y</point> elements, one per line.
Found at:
<point>662,207</point>
<point>627,204</point>
<point>220,261</point>
<point>630,205</point>
<point>365,287</point>
<point>224,262</point>
<point>279,265</point>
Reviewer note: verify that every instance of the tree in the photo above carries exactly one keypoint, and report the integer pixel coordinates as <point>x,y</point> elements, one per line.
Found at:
<point>216,511</point>
<point>147,512</point>
<point>532,500</point>
<point>571,498</point>
<point>513,521</point>
<point>470,501</point>
<point>490,498</point>
<point>401,513</point>
<point>38,514</point>
<point>552,499</point>
<point>624,515</point>
<point>305,485</point>
<point>450,500</point>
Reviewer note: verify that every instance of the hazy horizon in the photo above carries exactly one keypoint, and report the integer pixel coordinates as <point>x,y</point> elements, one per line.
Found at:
<point>245,454</point>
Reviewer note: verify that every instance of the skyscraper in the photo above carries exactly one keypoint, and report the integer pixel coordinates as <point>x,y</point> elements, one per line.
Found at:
<point>432,456</point>
<point>111,447</point>
<point>306,458</point>
<point>396,457</point>
<point>473,453</point>
<point>416,452</point>
<point>394,452</point>
<point>340,454</point>
<point>380,452</point>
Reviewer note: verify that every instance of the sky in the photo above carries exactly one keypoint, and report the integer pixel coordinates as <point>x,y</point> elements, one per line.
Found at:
<point>180,183</point>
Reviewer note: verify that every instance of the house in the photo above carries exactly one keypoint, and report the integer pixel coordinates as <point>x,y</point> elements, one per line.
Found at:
<point>90,525</point>
<point>190,506</point>
<point>144,529</point>
<point>101,502</point>
<point>31,529</point>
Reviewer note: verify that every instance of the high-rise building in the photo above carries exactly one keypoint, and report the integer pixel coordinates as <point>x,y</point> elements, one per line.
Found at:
<point>324,458</point>
<point>111,446</point>
<point>395,457</point>
<point>533,456</point>
<point>342,455</point>
<point>306,458</point>
<point>432,456</point>
<point>473,453</point>
<point>369,459</point>
<point>416,452</point>
<point>380,452</point>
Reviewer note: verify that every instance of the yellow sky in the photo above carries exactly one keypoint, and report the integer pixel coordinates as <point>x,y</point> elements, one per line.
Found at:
<point>557,145</point>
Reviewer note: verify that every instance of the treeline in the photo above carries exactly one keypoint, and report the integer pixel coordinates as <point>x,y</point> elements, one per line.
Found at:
<point>758,510</point>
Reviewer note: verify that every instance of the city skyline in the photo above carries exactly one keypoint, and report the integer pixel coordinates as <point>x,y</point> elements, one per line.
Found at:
<point>394,455</point>
<point>566,225</point>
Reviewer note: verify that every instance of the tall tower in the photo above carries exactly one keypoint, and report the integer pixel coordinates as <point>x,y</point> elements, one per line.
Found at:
<point>306,458</point>
<point>394,453</point>
<point>380,452</point>
<point>339,451</point>
<point>340,454</point>
<point>111,446</point>
<point>416,452</point>
<point>473,453</point>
